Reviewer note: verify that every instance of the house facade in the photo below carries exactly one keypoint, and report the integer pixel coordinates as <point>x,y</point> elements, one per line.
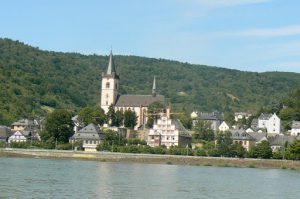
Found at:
<point>271,122</point>
<point>91,136</point>
<point>215,118</point>
<point>295,131</point>
<point>168,132</point>
<point>243,138</point>
<point>138,103</point>
<point>17,137</point>
<point>224,127</point>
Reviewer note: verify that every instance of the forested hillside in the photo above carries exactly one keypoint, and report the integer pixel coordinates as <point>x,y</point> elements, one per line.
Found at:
<point>34,81</point>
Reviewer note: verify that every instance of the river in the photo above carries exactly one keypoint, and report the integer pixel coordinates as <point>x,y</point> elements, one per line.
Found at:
<point>45,178</point>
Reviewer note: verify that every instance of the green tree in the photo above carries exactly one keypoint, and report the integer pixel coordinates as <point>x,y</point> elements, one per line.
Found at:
<point>119,118</point>
<point>130,119</point>
<point>58,127</point>
<point>237,150</point>
<point>152,113</point>
<point>203,131</point>
<point>223,143</point>
<point>93,115</point>
<point>111,115</point>
<point>293,150</point>
<point>261,150</point>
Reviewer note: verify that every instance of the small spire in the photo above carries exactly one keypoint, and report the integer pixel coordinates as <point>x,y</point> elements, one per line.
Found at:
<point>111,66</point>
<point>154,88</point>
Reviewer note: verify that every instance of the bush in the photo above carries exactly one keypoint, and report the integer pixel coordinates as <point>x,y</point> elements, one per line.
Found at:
<point>200,152</point>
<point>66,146</point>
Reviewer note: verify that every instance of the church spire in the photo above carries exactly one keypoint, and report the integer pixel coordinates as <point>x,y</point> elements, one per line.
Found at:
<point>111,65</point>
<point>154,88</point>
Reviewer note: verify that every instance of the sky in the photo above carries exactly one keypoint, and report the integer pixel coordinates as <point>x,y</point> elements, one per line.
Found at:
<point>248,35</point>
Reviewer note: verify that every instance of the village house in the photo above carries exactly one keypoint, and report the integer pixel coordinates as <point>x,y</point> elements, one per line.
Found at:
<point>91,136</point>
<point>271,122</point>
<point>138,103</point>
<point>243,138</point>
<point>215,118</point>
<point>240,115</point>
<point>17,137</point>
<point>224,127</point>
<point>168,132</point>
<point>280,141</point>
<point>21,125</point>
<point>295,131</point>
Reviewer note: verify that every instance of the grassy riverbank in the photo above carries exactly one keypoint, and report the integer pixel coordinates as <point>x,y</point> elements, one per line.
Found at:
<point>152,159</point>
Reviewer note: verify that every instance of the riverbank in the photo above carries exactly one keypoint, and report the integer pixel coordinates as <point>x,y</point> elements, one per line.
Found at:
<point>152,159</point>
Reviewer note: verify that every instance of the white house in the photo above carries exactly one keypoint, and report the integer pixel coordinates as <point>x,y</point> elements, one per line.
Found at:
<point>168,132</point>
<point>91,136</point>
<point>295,131</point>
<point>270,122</point>
<point>223,127</point>
<point>240,115</point>
<point>17,137</point>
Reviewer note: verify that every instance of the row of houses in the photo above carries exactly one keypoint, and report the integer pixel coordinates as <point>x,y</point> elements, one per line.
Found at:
<point>21,131</point>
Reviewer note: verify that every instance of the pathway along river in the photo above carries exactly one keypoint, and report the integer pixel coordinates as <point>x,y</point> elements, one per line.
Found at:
<point>42,178</point>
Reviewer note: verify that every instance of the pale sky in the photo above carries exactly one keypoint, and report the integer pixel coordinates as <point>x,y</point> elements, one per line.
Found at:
<point>251,35</point>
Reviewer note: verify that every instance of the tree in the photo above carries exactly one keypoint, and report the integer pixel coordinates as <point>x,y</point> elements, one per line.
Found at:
<point>237,150</point>
<point>130,119</point>
<point>93,115</point>
<point>119,118</point>
<point>293,150</point>
<point>111,115</point>
<point>224,143</point>
<point>261,150</point>
<point>203,131</point>
<point>58,127</point>
<point>153,110</point>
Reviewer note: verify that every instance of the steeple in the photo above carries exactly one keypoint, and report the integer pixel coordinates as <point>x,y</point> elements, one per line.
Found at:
<point>154,88</point>
<point>111,65</point>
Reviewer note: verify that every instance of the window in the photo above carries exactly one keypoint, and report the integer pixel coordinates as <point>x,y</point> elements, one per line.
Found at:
<point>107,84</point>
<point>106,103</point>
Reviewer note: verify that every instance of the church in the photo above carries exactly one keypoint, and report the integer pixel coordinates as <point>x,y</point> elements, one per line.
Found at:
<point>139,103</point>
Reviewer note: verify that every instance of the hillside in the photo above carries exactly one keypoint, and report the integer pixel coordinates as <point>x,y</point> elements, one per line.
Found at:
<point>34,81</point>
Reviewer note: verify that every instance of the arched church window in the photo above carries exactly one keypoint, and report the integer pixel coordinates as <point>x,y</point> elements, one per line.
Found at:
<point>107,84</point>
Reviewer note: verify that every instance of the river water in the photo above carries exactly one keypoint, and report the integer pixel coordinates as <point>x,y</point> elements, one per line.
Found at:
<point>42,178</point>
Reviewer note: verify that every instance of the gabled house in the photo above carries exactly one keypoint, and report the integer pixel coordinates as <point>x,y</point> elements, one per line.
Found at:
<point>279,141</point>
<point>169,132</point>
<point>17,137</point>
<point>22,124</point>
<point>91,136</point>
<point>224,127</point>
<point>243,138</point>
<point>271,122</point>
<point>295,131</point>
<point>215,118</point>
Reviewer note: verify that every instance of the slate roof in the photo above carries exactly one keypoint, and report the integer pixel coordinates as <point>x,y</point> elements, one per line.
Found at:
<point>241,135</point>
<point>90,132</point>
<point>279,140</point>
<point>111,65</point>
<point>296,125</point>
<point>138,100</point>
<point>180,127</point>
<point>258,136</point>
<point>211,116</point>
<point>265,116</point>
<point>23,122</point>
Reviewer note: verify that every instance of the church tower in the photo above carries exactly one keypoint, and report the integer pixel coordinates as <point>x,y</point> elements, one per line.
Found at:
<point>110,85</point>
